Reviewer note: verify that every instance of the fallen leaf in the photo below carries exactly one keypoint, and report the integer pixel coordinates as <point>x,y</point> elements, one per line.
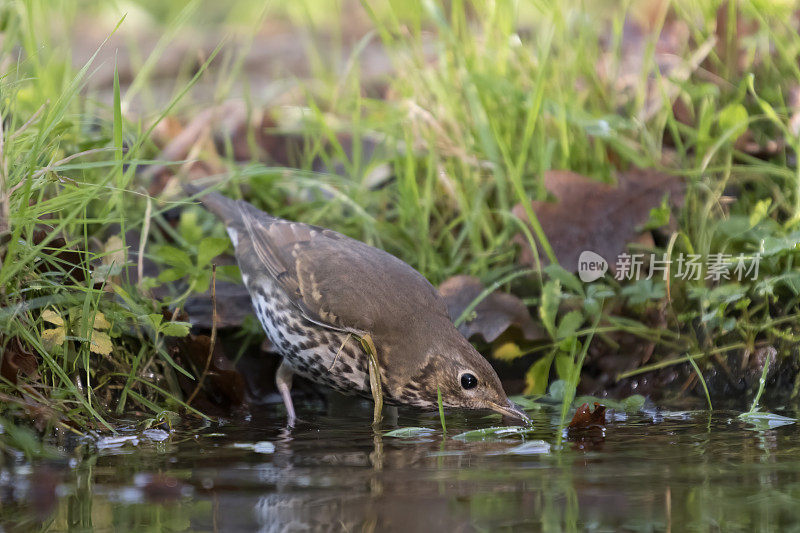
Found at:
<point>53,337</point>
<point>409,432</point>
<point>594,216</point>
<point>507,351</point>
<point>101,343</point>
<point>763,420</point>
<point>534,447</point>
<point>492,316</point>
<point>15,358</point>
<point>585,418</point>
<point>114,251</point>
<point>224,385</point>
<point>623,68</point>
<point>48,315</point>
<point>65,263</point>
<point>495,433</point>
<point>264,446</point>
<point>100,321</point>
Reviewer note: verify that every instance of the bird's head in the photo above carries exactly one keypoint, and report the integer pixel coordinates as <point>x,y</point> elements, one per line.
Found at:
<point>464,377</point>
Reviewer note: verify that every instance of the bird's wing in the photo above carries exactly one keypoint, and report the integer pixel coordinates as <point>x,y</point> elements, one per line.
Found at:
<point>334,281</point>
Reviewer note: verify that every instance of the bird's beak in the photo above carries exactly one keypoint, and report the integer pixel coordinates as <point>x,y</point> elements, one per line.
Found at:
<point>512,410</point>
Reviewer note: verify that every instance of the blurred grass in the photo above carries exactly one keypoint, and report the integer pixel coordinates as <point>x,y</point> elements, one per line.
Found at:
<point>482,98</point>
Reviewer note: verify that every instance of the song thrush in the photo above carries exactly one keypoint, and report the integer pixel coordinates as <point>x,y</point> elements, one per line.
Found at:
<point>353,317</point>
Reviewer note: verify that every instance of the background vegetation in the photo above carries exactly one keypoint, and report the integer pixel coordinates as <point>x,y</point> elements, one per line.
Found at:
<point>414,126</point>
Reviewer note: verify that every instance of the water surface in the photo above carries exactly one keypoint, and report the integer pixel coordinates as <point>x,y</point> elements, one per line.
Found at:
<point>654,470</point>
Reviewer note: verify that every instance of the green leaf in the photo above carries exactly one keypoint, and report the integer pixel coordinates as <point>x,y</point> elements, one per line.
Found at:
<point>209,248</point>
<point>409,432</point>
<point>495,433</point>
<point>528,403</point>
<point>508,351</point>
<point>569,325</point>
<point>171,274</point>
<point>175,257</point>
<point>778,245</point>
<point>733,117</point>
<point>567,278</point>
<point>644,291</point>
<point>633,402</point>
<point>229,273</point>
<point>154,320</point>
<point>189,225</point>
<point>766,420</point>
<point>557,389</point>
<point>175,329</point>
<point>564,366</point>
<point>659,216</point>
<point>760,211</point>
<point>538,374</point>
<point>203,281</point>
<point>548,309</point>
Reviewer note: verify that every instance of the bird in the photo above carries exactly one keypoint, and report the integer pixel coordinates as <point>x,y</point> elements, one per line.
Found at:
<point>352,317</point>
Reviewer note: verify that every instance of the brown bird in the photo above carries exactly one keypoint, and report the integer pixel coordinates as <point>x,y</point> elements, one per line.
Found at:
<point>353,317</point>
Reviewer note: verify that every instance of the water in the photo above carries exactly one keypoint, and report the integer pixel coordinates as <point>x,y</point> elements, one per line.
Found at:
<point>648,471</point>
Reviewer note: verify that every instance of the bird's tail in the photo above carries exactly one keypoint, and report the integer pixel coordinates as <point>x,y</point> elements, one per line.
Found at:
<point>229,211</point>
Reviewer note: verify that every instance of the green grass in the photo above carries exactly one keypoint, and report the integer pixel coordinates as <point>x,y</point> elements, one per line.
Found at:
<point>491,96</point>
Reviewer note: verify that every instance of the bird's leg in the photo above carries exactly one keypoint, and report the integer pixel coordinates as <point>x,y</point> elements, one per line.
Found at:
<point>374,378</point>
<point>283,380</point>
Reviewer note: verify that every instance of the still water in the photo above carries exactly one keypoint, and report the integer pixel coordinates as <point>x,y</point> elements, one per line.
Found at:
<point>652,470</point>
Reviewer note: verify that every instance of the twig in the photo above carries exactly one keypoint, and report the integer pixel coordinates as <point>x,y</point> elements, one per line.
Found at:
<point>213,334</point>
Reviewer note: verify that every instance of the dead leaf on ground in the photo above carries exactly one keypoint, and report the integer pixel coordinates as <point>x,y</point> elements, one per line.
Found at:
<point>675,55</point>
<point>589,215</point>
<point>223,386</point>
<point>16,359</point>
<point>194,141</point>
<point>585,418</point>
<point>64,261</point>
<point>492,316</point>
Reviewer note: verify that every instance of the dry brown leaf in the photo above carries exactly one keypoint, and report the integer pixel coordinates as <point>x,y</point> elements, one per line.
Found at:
<point>586,418</point>
<point>492,316</point>
<point>15,358</point>
<point>674,55</point>
<point>224,386</point>
<point>594,216</point>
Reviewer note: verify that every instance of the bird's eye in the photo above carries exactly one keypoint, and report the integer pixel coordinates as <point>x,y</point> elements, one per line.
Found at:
<point>468,381</point>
